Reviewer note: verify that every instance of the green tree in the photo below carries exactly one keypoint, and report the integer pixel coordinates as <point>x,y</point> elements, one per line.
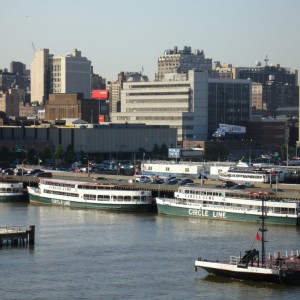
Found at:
<point>214,152</point>
<point>46,154</point>
<point>59,153</point>
<point>69,155</point>
<point>155,151</point>
<point>32,154</point>
<point>141,153</point>
<point>164,151</point>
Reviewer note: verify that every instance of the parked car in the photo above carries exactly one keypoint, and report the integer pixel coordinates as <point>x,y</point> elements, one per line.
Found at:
<point>43,174</point>
<point>8,171</point>
<point>99,178</point>
<point>157,181</point>
<point>171,182</point>
<point>19,172</point>
<point>33,172</point>
<point>228,184</point>
<point>238,187</point>
<point>190,184</point>
<point>143,179</point>
<point>184,181</point>
<point>247,184</point>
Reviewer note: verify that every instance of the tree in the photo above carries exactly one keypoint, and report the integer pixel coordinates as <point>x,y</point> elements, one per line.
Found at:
<point>32,154</point>
<point>215,152</point>
<point>69,155</point>
<point>46,154</point>
<point>141,153</point>
<point>155,151</point>
<point>164,151</point>
<point>59,153</point>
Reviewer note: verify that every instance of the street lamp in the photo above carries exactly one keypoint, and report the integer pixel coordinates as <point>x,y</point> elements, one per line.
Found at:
<point>23,166</point>
<point>142,167</point>
<point>88,166</point>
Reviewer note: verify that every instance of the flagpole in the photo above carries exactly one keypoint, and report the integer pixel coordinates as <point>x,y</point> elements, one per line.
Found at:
<point>263,230</point>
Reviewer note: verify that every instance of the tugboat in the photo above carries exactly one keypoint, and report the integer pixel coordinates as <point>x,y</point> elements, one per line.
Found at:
<point>256,267</point>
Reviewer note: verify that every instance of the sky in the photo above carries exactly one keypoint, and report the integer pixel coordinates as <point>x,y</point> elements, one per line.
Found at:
<point>130,35</point>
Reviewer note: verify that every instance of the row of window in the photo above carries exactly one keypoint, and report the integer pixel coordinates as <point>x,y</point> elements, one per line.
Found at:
<point>181,100</point>
<point>68,194</point>
<point>114,198</point>
<point>152,86</point>
<point>10,190</point>
<point>276,210</point>
<point>157,94</point>
<point>157,109</point>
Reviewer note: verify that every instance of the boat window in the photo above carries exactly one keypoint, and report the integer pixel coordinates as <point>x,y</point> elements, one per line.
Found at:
<point>89,197</point>
<point>292,211</point>
<point>136,198</point>
<point>127,198</point>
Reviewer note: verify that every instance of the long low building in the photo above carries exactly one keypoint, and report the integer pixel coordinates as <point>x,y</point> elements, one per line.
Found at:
<point>99,139</point>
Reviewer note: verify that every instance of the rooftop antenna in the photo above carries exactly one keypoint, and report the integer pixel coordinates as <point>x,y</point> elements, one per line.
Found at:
<point>266,60</point>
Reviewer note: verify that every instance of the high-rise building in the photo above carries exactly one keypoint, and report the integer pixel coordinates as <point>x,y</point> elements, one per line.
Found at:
<point>191,102</point>
<point>17,67</point>
<point>59,74</point>
<point>116,87</point>
<point>40,77</point>
<point>181,61</point>
<point>279,86</point>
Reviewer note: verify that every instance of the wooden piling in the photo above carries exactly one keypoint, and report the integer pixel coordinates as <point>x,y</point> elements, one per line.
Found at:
<point>31,234</point>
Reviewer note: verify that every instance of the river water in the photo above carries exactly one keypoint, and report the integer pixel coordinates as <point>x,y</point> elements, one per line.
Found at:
<point>93,254</point>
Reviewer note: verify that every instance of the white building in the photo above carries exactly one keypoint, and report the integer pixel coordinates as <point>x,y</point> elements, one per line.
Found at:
<point>59,74</point>
<point>181,101</point>
<point>40,84</point>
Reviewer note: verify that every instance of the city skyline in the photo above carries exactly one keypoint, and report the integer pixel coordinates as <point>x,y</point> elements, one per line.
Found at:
<point>127,36</point>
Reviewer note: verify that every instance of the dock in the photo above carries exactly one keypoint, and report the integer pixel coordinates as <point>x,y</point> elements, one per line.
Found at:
<point>17,235</point>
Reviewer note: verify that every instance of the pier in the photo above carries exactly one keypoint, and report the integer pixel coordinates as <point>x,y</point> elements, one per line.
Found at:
<point>17,235</point>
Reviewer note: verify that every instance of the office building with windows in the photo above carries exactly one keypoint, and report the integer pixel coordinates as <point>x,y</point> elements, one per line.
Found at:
<point>59,74</point>
<point>190,102</point>
<point>181,61</point>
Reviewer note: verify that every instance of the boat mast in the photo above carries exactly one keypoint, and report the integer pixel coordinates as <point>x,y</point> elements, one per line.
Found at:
<point>263,229</point>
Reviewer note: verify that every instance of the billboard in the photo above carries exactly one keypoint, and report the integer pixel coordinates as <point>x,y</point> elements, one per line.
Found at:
<point>101,118</point>
<point>174,153</point>
<point>100,94</point>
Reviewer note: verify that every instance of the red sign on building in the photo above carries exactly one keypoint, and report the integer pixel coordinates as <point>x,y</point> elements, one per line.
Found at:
<point>101,119</point>
<point>100,94</point>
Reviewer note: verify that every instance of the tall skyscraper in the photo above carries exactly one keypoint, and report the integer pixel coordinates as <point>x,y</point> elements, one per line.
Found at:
<point>59,74</point>
<point>40,83</point>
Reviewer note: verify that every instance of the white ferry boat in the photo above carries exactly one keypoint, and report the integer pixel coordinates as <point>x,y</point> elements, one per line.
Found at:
<point>231,205</point>
<point>11,192</point>
<point>244,172</point>
<point>90,195</point>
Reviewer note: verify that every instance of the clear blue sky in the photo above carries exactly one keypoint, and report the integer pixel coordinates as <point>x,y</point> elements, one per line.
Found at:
<point>124,35</point>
